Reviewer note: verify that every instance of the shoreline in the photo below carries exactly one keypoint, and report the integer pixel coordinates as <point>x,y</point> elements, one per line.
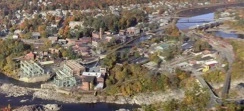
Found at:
<point>226,29</point>
<point>11,90</point>
<point>46,94</point>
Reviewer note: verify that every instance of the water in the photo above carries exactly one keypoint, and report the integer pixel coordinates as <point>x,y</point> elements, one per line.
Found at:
<point>15,102</point>
<point>5,79</point>
<point>183,25</point>
<point>134,43</point>
<point>195,20</point>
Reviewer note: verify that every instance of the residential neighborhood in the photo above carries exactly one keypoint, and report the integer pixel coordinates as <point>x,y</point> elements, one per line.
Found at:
<point>140,56</point>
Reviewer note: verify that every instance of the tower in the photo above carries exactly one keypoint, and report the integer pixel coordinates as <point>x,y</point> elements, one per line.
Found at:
<point>100,33</point>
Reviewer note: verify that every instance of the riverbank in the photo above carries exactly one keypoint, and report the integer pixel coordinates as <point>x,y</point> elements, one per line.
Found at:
<point>193,11</point>
<point>41,107</point>
<point>226,29</point>
<point>47,94</point>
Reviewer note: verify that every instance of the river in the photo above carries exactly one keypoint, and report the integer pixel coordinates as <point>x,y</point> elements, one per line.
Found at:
<point>15,101</point>
<point>197,16</point>
<point>186,23</point>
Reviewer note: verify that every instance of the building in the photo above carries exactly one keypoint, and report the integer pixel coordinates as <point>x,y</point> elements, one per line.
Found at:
<point>17,32</point>
<point>93,79</point>
<point>122,32</point>
<point>53,39</point>
<point>83,40</point>
<point>95,42</point>
<point>81,50</point>
<point>65,78</point>
<point>88,83</point>
<point>132,31</point>
<point>73,24</point>
<point>98,35</point>
<point>187,45</point>
<point>30,69</point>
<point>73,67</point>
<point>29,56</point>
<point>32,72</point>
<point>15,36</point>
<point>36,35</point>
<point>211,63</point>
<point>162,47</point>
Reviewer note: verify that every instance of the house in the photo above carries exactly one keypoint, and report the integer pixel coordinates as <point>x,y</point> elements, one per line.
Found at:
<point>62,41</point>
<point>53,50</point>
<point>29,56</point>
<point>17,32</point>
<point>187,45</point>
<point>122,32</point>
<point>15,36</point>
<point>53,39</point>
<point>81,49</point>
<point>36,35</point>
<point>95,42</point>
<point>83,40</point>
<point>162,47</point>
<point>73,24</point>
<point>132,31</point>
<point>211,62</point>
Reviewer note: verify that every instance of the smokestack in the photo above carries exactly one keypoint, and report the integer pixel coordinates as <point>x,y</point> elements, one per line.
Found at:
<point>100,33</point>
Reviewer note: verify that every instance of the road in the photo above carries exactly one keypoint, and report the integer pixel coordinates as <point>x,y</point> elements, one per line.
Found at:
<point>226,51</point>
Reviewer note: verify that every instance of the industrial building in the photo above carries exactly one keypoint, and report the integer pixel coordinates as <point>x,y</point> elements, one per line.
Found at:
<point>73,67</point>
<point>30,71</point>
<point>65,77</point>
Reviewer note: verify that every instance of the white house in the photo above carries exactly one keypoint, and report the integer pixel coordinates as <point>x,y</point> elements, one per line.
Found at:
<point>15,36</point>
<point>72,24</point>
<point>95,74</point>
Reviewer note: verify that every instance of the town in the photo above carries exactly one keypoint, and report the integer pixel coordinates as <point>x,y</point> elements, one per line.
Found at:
<point>116,53</point>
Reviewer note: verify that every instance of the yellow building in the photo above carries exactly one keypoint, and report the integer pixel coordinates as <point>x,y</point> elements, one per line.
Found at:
<point>205,69</point>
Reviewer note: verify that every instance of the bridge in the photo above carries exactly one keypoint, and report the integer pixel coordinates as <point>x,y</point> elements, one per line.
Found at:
<point>205,26</point>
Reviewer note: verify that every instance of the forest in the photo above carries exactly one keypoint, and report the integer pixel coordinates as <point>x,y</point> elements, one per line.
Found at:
<point>8,52</point>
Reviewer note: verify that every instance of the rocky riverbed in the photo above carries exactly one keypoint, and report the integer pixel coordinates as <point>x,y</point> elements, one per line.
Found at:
<point>47,94</point>
<point>47,107</point>
<point>15,91</point>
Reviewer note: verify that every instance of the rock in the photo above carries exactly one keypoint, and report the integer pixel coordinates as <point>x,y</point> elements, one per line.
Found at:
<point>30,108</point>
<point>22,101</point>
<point>52,107</point>
<point>154,97</point>
<point>48,107</point>
<point>13,90</point>
<point>123,110</point>
<point>53,95</point>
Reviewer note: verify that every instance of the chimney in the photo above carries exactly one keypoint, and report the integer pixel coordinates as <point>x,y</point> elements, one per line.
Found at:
<point>100,33</point>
